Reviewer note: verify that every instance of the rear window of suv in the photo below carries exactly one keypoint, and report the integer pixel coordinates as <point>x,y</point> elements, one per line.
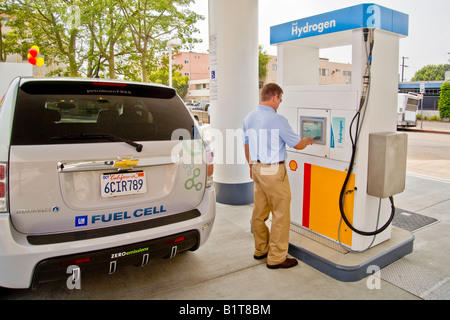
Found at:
<point>57,112</point>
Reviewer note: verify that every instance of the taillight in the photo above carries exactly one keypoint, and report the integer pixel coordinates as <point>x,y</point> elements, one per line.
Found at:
<point>3,188</point>
<point>109,84</point>
<point>210,164</point>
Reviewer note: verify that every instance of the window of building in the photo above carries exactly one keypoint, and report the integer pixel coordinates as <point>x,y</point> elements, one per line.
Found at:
<point>324,72</point>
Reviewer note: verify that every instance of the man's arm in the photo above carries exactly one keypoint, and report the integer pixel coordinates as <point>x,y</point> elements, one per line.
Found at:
<point>304,143</point>
<point>290,136</point>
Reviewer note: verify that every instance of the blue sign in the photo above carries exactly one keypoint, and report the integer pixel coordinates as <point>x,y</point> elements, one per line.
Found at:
<point>81,221</point>
<point>337,133</point>
<point>360,16</point>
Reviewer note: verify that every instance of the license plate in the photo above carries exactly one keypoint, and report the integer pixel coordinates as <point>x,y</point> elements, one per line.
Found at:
<point>122,184</point>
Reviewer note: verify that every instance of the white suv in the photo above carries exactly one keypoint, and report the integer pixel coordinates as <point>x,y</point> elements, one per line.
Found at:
<point>97,174</point>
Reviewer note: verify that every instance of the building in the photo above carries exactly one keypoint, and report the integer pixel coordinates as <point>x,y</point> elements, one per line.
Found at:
<point>198,90</point>
<point>272,72</point>
<point>329,72</point>
<point>196,67</point>
<point>334,72</point>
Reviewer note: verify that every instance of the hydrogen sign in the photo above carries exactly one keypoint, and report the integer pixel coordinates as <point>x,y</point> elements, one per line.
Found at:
<point>360,16</point>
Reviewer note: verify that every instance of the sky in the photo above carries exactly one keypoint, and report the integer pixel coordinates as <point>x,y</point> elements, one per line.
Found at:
<point>429,27</point>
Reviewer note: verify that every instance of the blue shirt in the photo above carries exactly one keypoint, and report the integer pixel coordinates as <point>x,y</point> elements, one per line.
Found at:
<point>267,133</point>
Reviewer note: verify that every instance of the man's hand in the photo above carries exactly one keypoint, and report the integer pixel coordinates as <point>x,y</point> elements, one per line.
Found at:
<point>304,143</point>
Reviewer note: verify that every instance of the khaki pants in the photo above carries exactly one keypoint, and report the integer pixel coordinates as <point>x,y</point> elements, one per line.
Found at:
<point>272,193</point>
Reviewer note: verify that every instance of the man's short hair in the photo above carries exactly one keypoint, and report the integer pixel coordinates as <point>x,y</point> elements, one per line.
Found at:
<point>270,90</point>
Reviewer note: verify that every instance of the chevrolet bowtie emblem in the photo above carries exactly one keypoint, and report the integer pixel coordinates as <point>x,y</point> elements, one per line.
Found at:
<point>125,163</point>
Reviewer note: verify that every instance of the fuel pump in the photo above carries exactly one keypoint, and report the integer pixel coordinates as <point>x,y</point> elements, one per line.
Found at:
<point>343,185</point>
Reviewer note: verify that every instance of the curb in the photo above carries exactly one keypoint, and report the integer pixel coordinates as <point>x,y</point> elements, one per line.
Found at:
<point>423,130</point>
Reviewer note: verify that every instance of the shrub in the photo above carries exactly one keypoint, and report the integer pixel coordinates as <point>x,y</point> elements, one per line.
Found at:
<point>434,118</point>
<point>444,101</point>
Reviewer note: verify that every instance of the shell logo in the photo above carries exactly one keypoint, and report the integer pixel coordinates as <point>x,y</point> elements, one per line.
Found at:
<point>293,165</point>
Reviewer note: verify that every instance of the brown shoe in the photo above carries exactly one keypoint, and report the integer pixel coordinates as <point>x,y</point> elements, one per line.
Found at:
<point>288,263</point>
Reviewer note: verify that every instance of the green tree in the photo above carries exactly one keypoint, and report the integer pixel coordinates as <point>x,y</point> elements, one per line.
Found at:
<point>107,29</point>
<point>431,73</point>
<point>264,59</point>
<point>161,76</point>
<point>116,36</point>
<point>444,100</point>
<point>52,25</point>
<point>5,47</point>
<point>152,23</point>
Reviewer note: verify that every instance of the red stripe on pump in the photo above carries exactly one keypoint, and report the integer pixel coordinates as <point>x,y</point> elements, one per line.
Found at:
<point>306,194</point>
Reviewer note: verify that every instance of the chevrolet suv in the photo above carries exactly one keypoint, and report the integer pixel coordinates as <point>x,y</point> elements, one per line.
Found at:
<point>96,174</point>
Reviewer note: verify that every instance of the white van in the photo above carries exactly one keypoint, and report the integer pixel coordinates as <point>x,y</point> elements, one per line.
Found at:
<point>407,107</point>
<point>98,174</point>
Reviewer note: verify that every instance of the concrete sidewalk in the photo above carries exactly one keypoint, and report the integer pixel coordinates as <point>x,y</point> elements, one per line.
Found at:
<point>429,154</point>
<point>423,274</point>
<point>431,127</point>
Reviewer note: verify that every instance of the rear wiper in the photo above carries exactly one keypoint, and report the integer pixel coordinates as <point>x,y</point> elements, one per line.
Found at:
<point>111,137</point>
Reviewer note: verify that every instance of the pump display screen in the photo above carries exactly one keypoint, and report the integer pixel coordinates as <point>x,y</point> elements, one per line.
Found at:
<point>313,127</point>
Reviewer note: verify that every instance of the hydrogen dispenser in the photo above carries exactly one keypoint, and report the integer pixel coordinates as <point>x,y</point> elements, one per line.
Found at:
<point>343,186</point>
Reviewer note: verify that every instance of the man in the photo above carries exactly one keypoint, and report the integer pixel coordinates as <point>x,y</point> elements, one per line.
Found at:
<point>266,134</point>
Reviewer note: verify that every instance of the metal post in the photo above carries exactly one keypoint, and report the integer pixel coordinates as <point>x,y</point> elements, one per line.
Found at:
<point>170,66</point>
<point>172,44</point>
<point>403,67</point>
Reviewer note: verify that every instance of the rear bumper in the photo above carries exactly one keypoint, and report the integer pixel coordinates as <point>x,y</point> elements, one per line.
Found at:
<point>23,264</point>
<point>108,260</point>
